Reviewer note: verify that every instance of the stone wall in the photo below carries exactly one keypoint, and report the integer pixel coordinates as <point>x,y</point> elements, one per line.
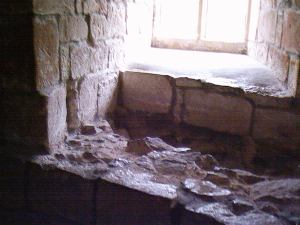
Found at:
<point>274,38</point>
<point>272,122</point>
<point>84,52</point>
<point>59,66</point>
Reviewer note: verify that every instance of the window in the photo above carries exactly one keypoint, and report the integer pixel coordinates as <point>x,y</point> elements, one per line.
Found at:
<point>213,25</point>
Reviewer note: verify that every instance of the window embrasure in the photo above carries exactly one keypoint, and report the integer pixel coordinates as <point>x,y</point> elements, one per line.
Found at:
<point>212,25</point>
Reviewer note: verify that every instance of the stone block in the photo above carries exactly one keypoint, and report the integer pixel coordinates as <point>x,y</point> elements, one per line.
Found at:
<point>80,60</point>
<point>79,6</point>
<point>278,61</point>
<point>12,178</point>
<point>294,76</point>
<point>73,28</point>
<point>46,47</point>
<point>117,18</point>
<point>281,128</point>
<point>116,55</point>
<point>73,116</point>
<point>112,198</point>
<point>107,94</point>
<point>95,6</point>
<point>267,25</point>
<point>57,116</point>
<point>297,3</point>
<point>146,92</point>
<point>217,112</point>
<point>291,31</point>
<point>53,6</point>
<point>64,54</point>
<point>187,82</point>
<point>177,110</point>
<point>99,27</point>
<point>88,98</point>
<point>258,51</point>
<point>60,193</point>
<point>99,57</point>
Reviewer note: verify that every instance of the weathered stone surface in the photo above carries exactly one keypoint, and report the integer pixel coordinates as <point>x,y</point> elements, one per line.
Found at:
<point>259,51</point>
<point>95,6</point>
<point>60,193</point>
<point>116,55</point>
<point>177,110</point>
<point>88,98</point>
<point>282,127</point>
<point>46,45</point>
<point>267,25</point>
<point>146,92</point>
<point>217,112</point>
<point>80,60</point>
<point>53,6</point>
<point>64,55</point>
<point>279,62</point>
<point>57,116</point>
<point>294,76</point>
<point>117,18</point>
<point>107,94</point>
<point>99,57</point>
<point>72,28</point>
<point>99,27</point>
<point>270,101</point>
<point>187,82</point>
<point>291,31</point>
<point>73,116</point>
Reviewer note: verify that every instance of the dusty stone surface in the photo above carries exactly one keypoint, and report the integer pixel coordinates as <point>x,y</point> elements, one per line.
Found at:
<point>291,31</point>
<point>217,112</point>
<point>54,6</point>
<point>191,179</point>
<point>80,60</point>
<point>145,92</point>
<point>267,25</point>
<point>73,28</point>
<point>279,62</point>
<point>93,6</point>
<point>46,49</point>
<point>57,114</point>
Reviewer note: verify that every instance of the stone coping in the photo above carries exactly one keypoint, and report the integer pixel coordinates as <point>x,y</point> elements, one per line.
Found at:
<point>222,69</point>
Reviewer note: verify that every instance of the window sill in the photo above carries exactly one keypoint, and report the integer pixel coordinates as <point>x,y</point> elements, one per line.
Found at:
<point>221,69</point>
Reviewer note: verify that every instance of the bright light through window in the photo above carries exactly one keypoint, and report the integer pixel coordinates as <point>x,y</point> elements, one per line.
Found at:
<point>202,20</point>
<point>224,20</point>
<point>177,19</point>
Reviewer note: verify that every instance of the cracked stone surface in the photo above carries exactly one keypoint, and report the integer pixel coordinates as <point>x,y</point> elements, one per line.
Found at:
<point>191,179</point>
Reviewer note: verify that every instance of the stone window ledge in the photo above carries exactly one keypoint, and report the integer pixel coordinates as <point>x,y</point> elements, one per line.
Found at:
<point>221,69</point>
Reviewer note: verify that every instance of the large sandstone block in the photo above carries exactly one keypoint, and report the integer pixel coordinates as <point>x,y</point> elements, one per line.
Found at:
<point>279,62</point>
<point>73,28</point>
<point>146,92</point>
<point>280,127</point>
<point>46,47</point>
<point>291,31</point>
<point>95,6</point>
<point>59,193</point>
<point>57,116</point>
<point>267,25</point>
<point>88,98</point>
<point>217,112</point>
<point>99,57</point>
<point>107,94</point>
<point>80,60</point>
<point>99,27</point>
<point>53,6</point>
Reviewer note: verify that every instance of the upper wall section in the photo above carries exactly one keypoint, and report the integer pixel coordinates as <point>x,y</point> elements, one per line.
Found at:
<point>274,38</point>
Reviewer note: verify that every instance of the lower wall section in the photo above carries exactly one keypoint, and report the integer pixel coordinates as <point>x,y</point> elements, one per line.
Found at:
<point>31,195</point>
